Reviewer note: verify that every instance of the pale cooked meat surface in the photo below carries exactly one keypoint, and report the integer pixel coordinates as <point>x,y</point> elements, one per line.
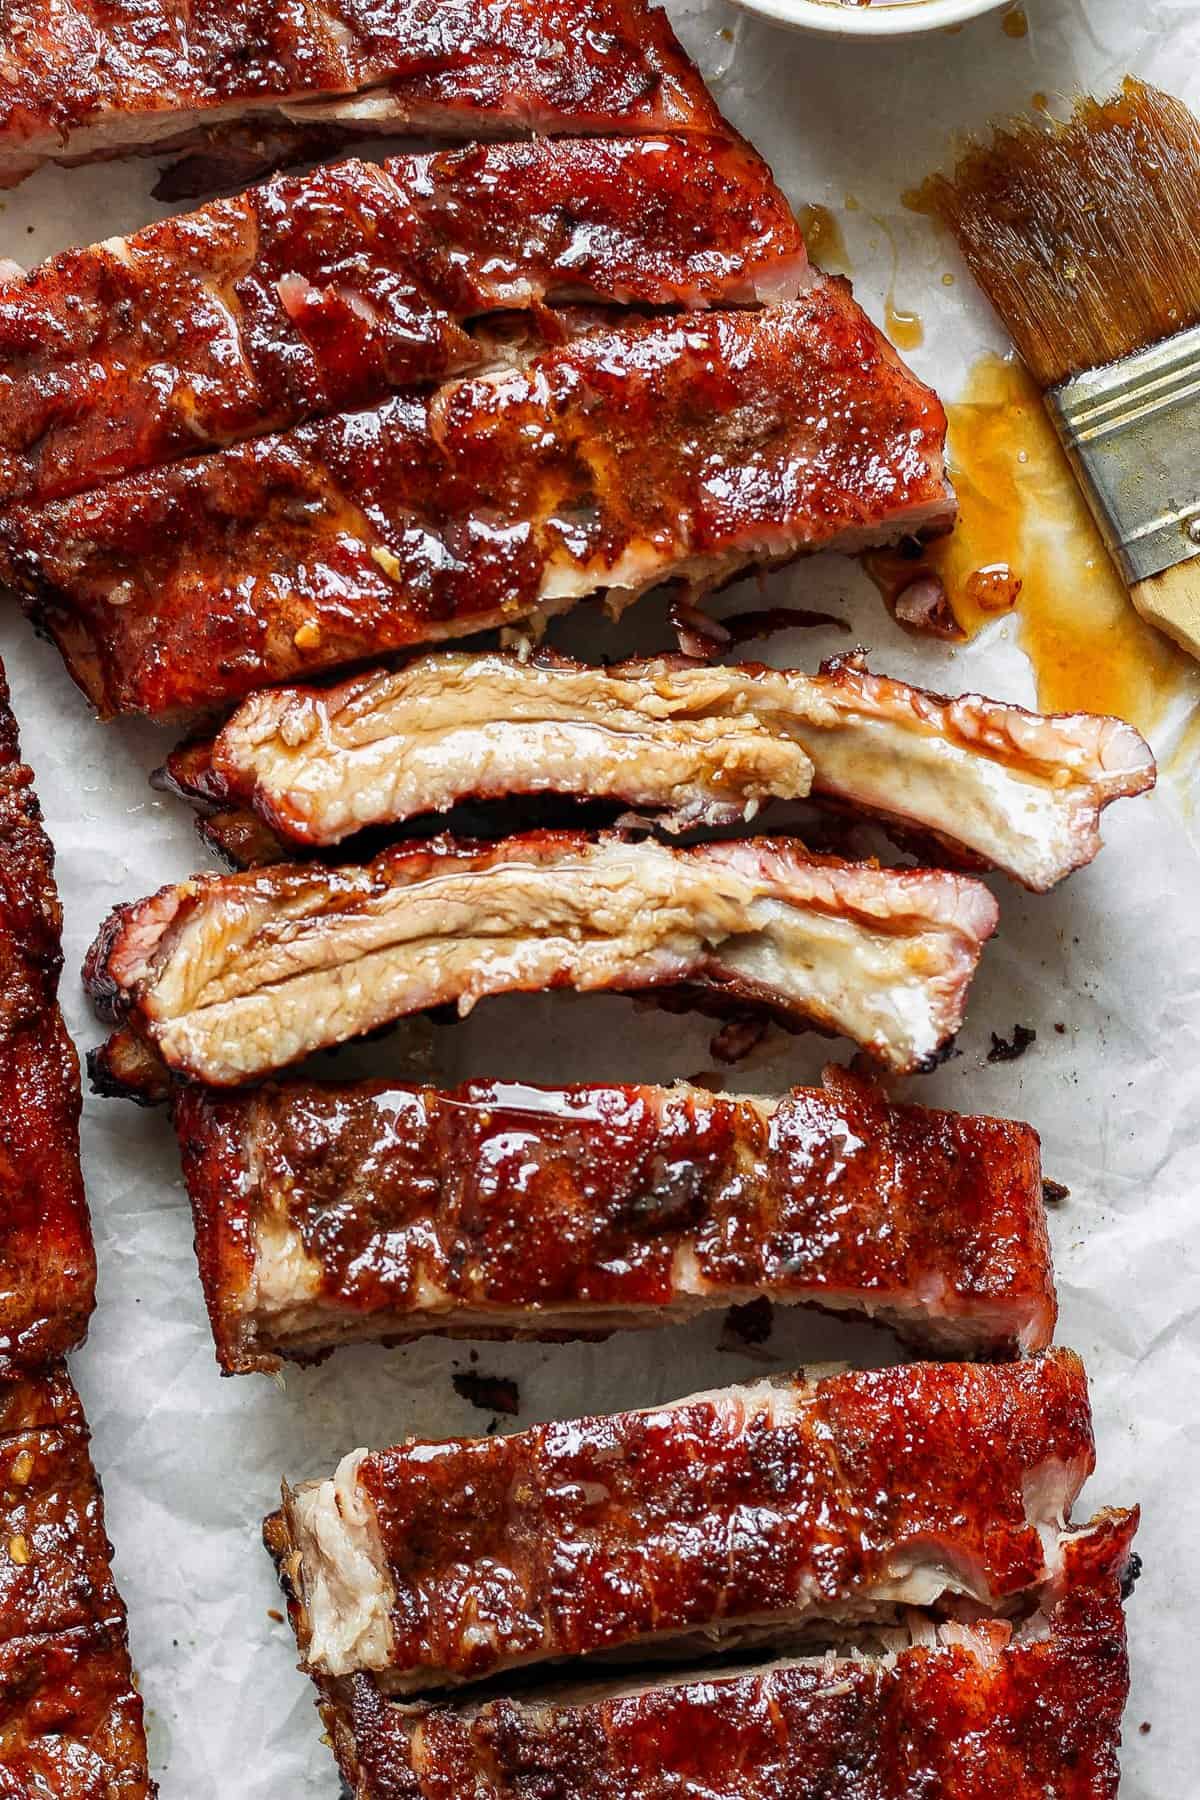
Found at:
<point>231,976</point>
<point>698,744</point>
<point>327,1214</point>
<point>680,449</point>
<point>976,1711</point>
<point>737,1516</point>
<point>324,291</point>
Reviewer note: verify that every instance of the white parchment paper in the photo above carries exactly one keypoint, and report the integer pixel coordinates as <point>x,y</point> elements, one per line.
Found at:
<point>191,1462</point>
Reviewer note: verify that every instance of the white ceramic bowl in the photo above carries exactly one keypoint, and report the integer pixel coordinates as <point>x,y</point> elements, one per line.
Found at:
<point>895,18</point>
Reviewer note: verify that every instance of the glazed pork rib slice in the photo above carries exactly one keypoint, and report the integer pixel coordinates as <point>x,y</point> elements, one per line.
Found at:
<point>683,449</point>
<point>697,744</point>
<point>50,1507</point>
<point>1030,1710</point>
<point>747,1516</point>
<point>230,976</point>
<point>47,1262</point>
<point>330,1214</point>
<point>70,1717</point>
<point>324,291</point>
<point>81,83</point>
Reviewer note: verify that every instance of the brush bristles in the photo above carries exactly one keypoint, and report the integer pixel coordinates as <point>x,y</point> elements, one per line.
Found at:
<point>1085,236</point>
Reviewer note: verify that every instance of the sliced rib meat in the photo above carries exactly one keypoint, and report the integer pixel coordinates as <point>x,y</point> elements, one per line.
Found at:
<point>746,1516</point>
<point>230,976</point>
<point>330,1214</point>
<point>699,744</point>
<point>82,82</point>
<point>70,1716</point>
<point>668,449</point>
<point>324,291</point>
<point>1031,1711</point>
<point>47,1263</point>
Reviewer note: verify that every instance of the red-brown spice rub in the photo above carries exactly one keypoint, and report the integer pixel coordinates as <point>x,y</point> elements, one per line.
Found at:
<point>528,1211</point>
<point>319,292</point>
<point>766,1504</point>
<point>70,1717</point>
<point>686,448</point>
<point>47,1263</point>
<point>82,81</point>
<point>982,1713</point>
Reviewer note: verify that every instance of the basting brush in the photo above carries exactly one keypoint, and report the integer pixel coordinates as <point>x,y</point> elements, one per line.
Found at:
<point>1085,236</point>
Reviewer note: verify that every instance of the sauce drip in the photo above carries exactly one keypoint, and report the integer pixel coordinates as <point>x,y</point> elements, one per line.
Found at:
<point>823,238</point>
<point>1015,23</point>
<point>906,329</point>
<point>1026,540</point>
<point>994,588</point>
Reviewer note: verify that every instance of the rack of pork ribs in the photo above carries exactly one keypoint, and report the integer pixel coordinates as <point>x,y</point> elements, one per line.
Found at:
<point>260,464</point>
<point>70,1718</point>
<point>355,411</point>
<point>881,1565</point>
<point>372,407</point>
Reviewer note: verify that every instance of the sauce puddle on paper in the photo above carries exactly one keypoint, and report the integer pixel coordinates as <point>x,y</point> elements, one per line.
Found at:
<point>905,327</point>
<point>1026,543</point>
<point>823,238</point>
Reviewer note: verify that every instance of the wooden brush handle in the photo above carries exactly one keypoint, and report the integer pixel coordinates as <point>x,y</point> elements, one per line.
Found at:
<point>1172,602</point>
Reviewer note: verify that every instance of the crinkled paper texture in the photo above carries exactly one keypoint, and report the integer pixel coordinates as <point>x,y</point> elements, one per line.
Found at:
<point>191,1462</point>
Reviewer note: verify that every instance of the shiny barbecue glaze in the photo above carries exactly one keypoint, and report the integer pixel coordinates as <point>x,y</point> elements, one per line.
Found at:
<point>228,977</point>
<point>765,1503</point>
<point>323,291</point>
<point>70,1718</point>
<point>79,82</point>
<point>974,1717</point>
<point>663,449</point>
<point>50,1506</point>
<point>505,1209</point>
<point>47,1264</point>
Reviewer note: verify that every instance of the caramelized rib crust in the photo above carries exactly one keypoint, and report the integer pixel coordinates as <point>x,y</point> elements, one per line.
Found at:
<point>70,1718</point>
<point>47,1263</point>
<point>970,1716</point>
<point>326,1214</point>
<point>87,82</point>
<point>231,976</point>
<point>51,1506</point>
<point>666,449</point>
<point>695,743</point>
<point>323,291</point>
<point>684,1527</point>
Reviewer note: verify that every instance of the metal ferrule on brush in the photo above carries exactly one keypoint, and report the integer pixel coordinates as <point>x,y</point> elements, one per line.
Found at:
<point>1131,430</point>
